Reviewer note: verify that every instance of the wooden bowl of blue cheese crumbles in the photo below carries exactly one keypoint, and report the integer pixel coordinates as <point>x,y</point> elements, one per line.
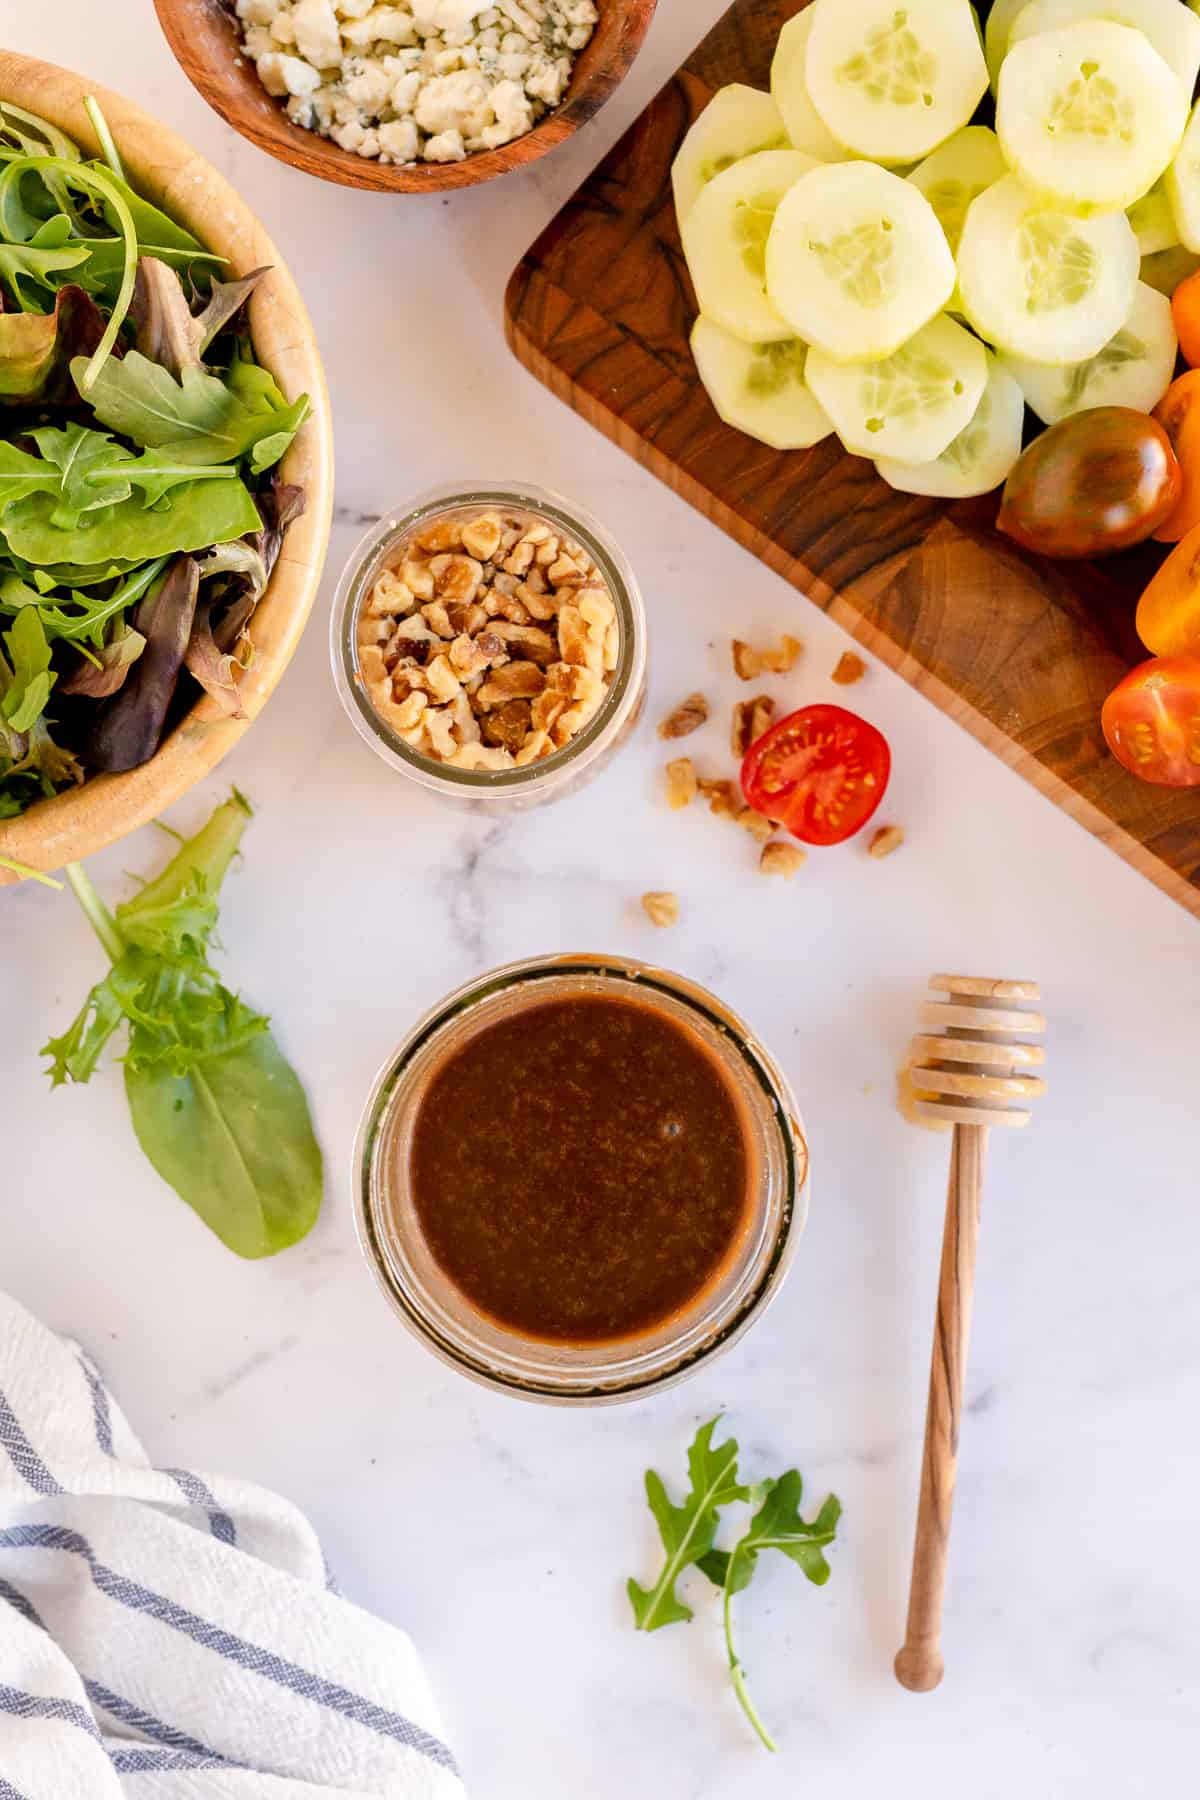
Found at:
<point>406,96</point>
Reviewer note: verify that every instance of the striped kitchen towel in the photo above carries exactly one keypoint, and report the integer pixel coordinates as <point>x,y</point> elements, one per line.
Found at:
<point>171,1636</point>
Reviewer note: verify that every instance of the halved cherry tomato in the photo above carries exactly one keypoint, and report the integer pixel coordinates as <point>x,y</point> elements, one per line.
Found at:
<point>1168,614</point>
<point>1185,310</point>
<point>1151,722</point>
<point>1095,482</point>
<point>1178,412</point>
<point>821,772</point>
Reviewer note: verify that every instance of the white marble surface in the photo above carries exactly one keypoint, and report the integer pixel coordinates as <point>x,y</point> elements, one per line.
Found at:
<point>501,1533</point>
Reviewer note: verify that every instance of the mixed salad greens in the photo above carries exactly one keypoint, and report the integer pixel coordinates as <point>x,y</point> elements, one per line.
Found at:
<point>139,518</point>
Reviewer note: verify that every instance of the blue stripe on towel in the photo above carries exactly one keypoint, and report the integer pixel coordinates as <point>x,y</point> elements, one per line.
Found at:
<point>200,1494</point>
<point>137,1719</point>
<point>156,1762</point>
<point>21,1705</point>
<point>101,1413</point>
<point>9,1792</point>
<point>24,1458</point>
<point>238,1650</point>
<point>19,1603</point>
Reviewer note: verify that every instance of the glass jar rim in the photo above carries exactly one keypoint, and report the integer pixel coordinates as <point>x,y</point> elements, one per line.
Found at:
<point>363,565</point>
<point>642,1371</point>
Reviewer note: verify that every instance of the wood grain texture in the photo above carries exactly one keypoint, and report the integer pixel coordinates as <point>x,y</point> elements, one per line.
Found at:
<point>166,170</point>
<point>1019,650</point>
<point>204,37</point>
<point>919,1664</point>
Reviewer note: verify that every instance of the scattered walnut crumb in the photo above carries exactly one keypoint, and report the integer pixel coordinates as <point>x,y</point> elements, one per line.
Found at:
<point>682,785</point>
<point>885,840</point>
<point>448,656</point>
<point>747,663</point>
<point>783,859</point>
<point>850,668</point>
<point>724,800</point>
<point>759,827</point>
<point>750,720</point>
<point>782,660</point>
<point>661,909</point>
<point>688,716</point>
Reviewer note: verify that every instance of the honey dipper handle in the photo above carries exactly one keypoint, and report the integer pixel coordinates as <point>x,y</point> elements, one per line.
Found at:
<point>919,1664</point>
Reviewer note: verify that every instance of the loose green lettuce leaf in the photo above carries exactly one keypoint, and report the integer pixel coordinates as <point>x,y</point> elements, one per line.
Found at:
<point>94,471</point>
<point>26,134</point>
<point>217,1109</point>
<point>201,513</point>
<point>775,1525</point>
<point>687,1531</point>
<point>197,419</point>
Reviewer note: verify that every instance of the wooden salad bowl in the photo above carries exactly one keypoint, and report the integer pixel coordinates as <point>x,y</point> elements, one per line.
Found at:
<point>205,39</point>
<point>73,824</point>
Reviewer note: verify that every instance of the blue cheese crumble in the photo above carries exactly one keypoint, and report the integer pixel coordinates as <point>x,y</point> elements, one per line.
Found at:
<point>420,80</point>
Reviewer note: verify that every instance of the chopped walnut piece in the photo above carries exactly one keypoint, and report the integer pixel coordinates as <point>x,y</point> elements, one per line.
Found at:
<point>688,716</point>
<point>885,840</point>
<point>408,713</point>
<point>747,663</point>
<point>538,603</point>
<point>389,595</point>
<point>662,909</point>
<point>438,619</point>
<point>682,785</point>
<point>442,679</point>
<point>469,620</point>
<point>371,665</point>
<point>850,668</point>
<point>481,756</point>
<point>528,641</point>
<point>481,538</point>
<point>760,829</point>
<point>443,534</point>
<point>418,578</point>
<point>536,745</point>
<point>782,660</point>
<point>724,800</point>
<point>519,558</point>
<point>509,725</point>
<point>439,729</point>
<point>514,681</point>
<point>750,720</point>
<point>547,709</point>
<point>783,859</point>
<point>456,578</point>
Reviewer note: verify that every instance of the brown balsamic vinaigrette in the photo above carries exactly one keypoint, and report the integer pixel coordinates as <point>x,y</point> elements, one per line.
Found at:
<point>583,1170</point>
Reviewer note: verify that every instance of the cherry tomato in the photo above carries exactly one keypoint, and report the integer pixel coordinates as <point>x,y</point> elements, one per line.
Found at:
<point>1179,415</point>
<point>1096,482</point>
<point>821,772</point>
<point>1151,722</point>
<point>1185,310</point>
<point>1168,614</point>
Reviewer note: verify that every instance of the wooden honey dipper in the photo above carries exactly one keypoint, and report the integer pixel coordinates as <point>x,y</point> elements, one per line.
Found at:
<point>974,1075</point>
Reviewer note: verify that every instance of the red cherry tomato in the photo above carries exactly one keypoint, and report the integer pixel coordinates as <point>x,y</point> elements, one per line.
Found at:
<point>1151,721</point>
<point>821,772</point>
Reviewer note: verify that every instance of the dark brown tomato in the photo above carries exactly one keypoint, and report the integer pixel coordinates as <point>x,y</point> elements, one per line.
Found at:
<point>1094,483</point>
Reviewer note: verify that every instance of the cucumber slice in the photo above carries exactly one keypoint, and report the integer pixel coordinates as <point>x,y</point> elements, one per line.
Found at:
<point>958,170</point>
<point>1090,115</point>
<point>759,388</point>
<point>1040,283</point>
<point>996,34</point>
<point>1172,29</point>
<point>1133,369</point>
<point>909,405</point>
<point>1182,183</point>
<point>789,88</point>
<point>737,122</point>
<point>980,457</point>
<point>1165,269</point>
<point>725,237</point>
<point>856,260</point>
<point>1153,221</point>
<point>890,81</point>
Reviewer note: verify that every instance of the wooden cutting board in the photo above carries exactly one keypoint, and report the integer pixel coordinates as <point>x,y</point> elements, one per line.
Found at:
<point>1019,650</point>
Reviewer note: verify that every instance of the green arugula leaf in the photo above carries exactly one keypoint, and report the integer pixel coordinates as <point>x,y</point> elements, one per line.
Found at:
<point>687,1531</point>
<point>216,1108</point>
<point>78,454</point>
<point>202,512</point>
<point>30,271</point>
<point>197,419</point>
<point>776,1524</point>
<point>31,676</point>
<point>22,474</point>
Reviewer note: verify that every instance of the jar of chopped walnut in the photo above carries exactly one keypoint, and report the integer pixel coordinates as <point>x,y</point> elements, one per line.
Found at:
<point>491,644</point>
